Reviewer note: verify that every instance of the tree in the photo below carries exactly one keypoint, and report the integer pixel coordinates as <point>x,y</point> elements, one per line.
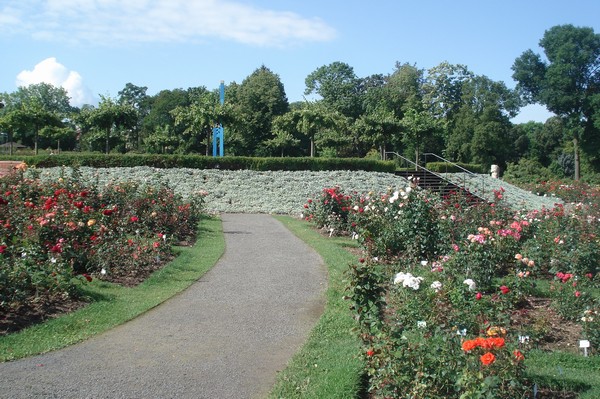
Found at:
<point>285,132</point>
<point>111,118</point>
<point>315,120</point>
<point>567,82</point>
<point>198,118</point>
<point>478,129</point>
<point>159,114</point>
<point>32,117</point>
<point>33,108</point>
<point>378,128</point>
<point>9,122</point>
<point>259,99</point>
<point>57,134</point>
<point>161,141</point>
<point>444,89</point>
<point>418,125</point>
<point>136,97</point>
<point>338,86</point>
<point>404,89</point>
<point>50,98</point>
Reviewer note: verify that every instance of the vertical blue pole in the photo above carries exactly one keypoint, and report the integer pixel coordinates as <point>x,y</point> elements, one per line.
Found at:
<point>222,131</point>
<point>218,131</point>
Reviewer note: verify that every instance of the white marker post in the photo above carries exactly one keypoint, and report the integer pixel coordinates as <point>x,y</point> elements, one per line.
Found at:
<point>584,344</point>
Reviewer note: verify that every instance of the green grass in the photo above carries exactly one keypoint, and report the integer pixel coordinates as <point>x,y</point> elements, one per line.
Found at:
<point>563,371</point>
<point>328,365</point>
<point>113,305</point>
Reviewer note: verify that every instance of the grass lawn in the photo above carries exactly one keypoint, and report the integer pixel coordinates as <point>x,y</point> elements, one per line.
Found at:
<point>113,304</point>
<point>568,372</point>
<point>328,365</point>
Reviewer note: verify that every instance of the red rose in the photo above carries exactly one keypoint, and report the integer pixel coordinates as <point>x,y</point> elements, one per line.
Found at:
<point>518,355</point>
<point>504,289</point>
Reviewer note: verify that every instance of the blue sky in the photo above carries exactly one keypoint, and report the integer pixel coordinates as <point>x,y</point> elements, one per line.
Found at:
<point>95,47</point>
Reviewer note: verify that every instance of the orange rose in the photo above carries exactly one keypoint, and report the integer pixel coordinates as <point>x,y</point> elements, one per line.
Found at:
<point>469,345</point>
<point>487,358</point>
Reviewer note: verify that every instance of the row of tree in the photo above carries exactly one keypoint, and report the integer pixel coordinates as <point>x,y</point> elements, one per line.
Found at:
<point>447,109</point>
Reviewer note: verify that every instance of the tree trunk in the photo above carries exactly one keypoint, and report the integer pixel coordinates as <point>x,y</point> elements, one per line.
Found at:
<point>35,144</point>
<point>312,147</point>
<point>208,134</point>
<point>417,158</point>
<point>576,156</point>
<point>107,149</point>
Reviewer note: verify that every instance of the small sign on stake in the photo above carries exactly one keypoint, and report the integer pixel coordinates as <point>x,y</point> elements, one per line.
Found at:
<point>584,344</point>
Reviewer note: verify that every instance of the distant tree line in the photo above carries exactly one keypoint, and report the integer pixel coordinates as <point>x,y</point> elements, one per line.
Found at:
<point>448,110</point>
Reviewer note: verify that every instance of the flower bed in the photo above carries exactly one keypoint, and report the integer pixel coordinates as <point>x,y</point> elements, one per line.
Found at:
<point>445,292</point>
<point>55,233</point>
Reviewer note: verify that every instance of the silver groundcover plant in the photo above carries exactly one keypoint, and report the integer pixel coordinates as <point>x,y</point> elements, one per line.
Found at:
<point>245,191</point>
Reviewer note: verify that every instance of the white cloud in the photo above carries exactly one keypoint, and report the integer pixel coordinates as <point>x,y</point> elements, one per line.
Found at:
<point>52,72</point>
<point>116,21</point>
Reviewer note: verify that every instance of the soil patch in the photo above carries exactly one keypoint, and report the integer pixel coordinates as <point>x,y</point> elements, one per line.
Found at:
<point>37,311</point>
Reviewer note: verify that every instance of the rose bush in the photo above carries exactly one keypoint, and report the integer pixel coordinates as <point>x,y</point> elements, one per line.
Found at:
<point>51,232</point>
<point>427,308</point>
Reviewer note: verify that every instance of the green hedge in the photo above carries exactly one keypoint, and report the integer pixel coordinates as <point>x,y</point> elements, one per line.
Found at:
<point>203,162</point>
<point>445,167</point>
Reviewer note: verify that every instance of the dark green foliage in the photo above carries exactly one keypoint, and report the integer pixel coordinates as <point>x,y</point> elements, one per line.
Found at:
<point>443,167</point>
<point>203,162</point>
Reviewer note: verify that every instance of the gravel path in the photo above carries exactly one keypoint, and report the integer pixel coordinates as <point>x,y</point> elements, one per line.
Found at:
<point>224,337</point>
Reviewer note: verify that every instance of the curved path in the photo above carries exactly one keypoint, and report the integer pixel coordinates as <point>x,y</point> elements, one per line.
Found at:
<point>224,337</point>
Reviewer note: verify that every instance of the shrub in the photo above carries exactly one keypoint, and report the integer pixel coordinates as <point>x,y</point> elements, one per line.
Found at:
<point>440,281</point>
<point>52,233</point>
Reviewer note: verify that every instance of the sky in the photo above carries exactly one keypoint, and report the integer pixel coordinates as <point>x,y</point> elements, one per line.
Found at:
<point>95,47</point>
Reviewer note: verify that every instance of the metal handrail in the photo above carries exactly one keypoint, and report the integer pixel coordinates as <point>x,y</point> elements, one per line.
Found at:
<point>405,160</point>
<point>466,171</point>
<point>417,166</point>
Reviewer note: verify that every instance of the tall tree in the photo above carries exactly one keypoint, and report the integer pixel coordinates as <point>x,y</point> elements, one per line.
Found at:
<point>404,89</point>
<point>338,86</point>
<point>444,89</point>
<point>567,82</point>
<point>260,98</point>
<point>136,97</point>
<point>479,130</point>
<point>160,115</point>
